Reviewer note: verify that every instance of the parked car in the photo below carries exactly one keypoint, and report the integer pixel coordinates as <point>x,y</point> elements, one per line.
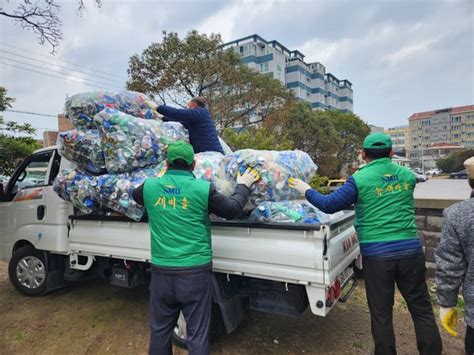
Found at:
<point>459,175</point>
<point>433,172</point>
<point>420,177</point>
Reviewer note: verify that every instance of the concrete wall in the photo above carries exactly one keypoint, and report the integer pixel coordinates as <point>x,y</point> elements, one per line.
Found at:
<point>429,220</point>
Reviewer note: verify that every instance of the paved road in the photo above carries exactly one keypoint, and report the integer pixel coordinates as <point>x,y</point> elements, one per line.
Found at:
<point>443,189</point>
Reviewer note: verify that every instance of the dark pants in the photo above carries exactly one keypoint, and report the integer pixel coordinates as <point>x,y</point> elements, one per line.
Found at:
<point>469,341</point>
<point>180,289</point>
<point>409,275</point>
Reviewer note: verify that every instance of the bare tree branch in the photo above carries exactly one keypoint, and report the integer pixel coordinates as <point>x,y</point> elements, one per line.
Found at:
<point>42,18</point>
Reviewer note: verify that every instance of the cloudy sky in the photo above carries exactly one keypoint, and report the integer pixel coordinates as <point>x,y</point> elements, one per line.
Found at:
<point>401,56</point>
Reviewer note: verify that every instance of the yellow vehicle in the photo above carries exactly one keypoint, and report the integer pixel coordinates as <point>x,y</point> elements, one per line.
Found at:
<point>333,185</point>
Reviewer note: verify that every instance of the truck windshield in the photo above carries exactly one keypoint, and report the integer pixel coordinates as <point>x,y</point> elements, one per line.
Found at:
<point>31,173</point>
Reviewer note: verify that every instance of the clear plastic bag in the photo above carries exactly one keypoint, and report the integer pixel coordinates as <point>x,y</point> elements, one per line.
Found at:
<point>130,143</point>
<point>172,132</point>
<point>115,191</point>
<point>79,188</point>
<point>84,148</point>
<point>225,147</point>
<point>81,108</point>
<point>290,212</point>
<point>208,167</point>
<point>275,168</point>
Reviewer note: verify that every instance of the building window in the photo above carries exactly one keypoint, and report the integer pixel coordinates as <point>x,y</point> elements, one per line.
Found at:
<point>264,67</point>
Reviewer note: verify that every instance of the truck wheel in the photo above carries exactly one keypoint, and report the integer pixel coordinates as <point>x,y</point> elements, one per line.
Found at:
<point>215,327</point>
<point>28,271</point>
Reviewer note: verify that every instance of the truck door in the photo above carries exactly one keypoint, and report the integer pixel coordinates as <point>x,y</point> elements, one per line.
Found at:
<point>22,206</point>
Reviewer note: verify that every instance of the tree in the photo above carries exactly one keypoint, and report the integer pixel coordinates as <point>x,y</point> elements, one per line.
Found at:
<point>312,132</point>
<point>5,101</point>
<point>41,17</point>
<point>352,131</point>
<point>176,70</point>
<point>16,141</point>
<point>256,138</point>
<point>454,161</point>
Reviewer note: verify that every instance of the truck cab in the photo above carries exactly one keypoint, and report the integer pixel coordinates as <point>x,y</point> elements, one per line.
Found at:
<point>34,216</point>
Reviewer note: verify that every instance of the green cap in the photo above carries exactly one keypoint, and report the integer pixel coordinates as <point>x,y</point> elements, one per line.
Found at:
<point>377,141</point>
<point>181,150</point>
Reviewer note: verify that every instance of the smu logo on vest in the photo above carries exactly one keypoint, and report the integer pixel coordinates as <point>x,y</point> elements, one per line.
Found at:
<point>390,178</point>
<point>171,190</point>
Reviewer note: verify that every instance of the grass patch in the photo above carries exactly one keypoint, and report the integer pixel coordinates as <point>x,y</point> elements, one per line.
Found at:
<point>17,335</point>
<point>357,344</point>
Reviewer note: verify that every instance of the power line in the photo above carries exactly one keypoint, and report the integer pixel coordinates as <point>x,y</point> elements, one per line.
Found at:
<point>60,66</point>
<point>60,72</point>
<point>42,55</point>
<point>51,75</point>
<point>32,113</point>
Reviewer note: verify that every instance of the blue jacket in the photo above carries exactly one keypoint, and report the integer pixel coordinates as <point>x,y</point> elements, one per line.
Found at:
<point>198,121</point>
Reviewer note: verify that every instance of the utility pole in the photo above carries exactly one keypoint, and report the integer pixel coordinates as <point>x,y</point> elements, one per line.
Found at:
<point>422,161</point>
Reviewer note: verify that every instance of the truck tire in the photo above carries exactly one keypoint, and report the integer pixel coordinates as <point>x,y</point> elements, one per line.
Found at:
<point>28,271</point>
<point>216,327</point>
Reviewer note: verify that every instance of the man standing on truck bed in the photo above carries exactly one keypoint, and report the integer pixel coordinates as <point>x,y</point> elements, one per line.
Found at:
<point>391,249</point>
<point>197,120</point>
<point>178,207</point>
<point>455,263</point>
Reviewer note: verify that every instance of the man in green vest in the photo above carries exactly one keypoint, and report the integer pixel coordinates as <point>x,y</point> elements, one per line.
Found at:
<point>382,193</point>
<point>178,207</point>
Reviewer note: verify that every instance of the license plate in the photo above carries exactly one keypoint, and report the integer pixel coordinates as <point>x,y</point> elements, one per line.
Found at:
<point>346,275</point>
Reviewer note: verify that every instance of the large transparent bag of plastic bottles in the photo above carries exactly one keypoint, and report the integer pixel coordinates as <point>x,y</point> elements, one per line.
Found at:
<point>225,147</point>
<point>81,108</point>
<point>84,148</point>
<point>115,191</point>
<point>275,168</point>
<point>130,143</point>
<point>290,212</point>
<point>172,132</point>
<point>208,167</point>
<point>79,188</point>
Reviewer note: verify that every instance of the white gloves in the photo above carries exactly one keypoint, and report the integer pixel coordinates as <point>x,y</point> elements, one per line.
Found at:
<point>449,319</point>
<point>248,178</point>
<point>299,185</point>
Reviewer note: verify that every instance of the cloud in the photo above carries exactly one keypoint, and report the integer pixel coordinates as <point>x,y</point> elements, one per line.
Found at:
<point>401,56</point>
<point>409,51</point>
<point>230,20</point>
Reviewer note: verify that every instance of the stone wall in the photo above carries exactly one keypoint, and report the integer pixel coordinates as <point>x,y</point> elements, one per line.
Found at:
<point>429,220</point>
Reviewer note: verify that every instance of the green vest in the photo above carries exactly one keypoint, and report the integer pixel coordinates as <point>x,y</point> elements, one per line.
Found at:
<point>385,208</point>
<point>177,208</point>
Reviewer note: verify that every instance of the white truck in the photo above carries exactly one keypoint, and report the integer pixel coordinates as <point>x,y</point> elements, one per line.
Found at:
<point>276,268</point>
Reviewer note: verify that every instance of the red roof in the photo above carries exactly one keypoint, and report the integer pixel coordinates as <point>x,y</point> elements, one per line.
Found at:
<point>461,109</point>
<point>451,110</point>
<point>419,115</point>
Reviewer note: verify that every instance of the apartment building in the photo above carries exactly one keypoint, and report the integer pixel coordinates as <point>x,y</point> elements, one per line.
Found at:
<point>308,81</point>
<point>451,128</point>
<point>400,139</point>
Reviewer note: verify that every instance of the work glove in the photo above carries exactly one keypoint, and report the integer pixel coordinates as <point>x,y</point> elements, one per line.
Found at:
<point>449,319</point>
<point>299,185</point>
<point>248,178</point>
